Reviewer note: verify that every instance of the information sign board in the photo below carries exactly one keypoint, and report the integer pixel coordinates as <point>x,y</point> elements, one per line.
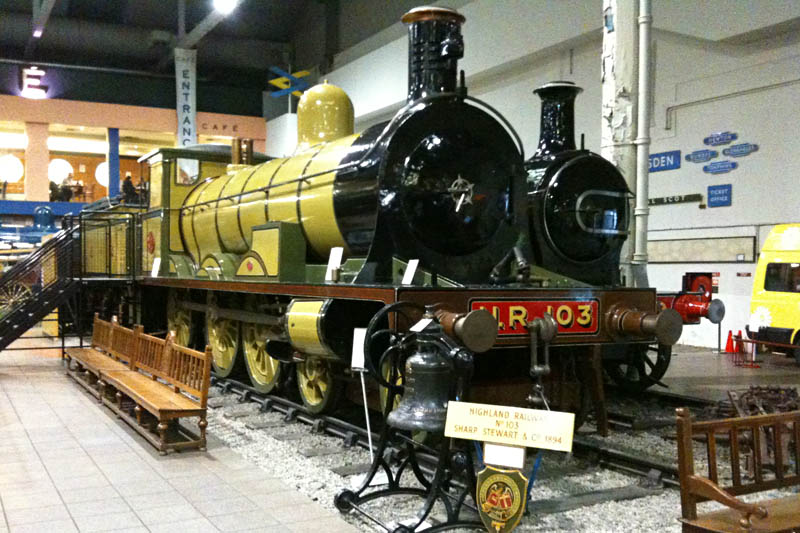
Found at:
<point>720,195</point>
<point>531,428</point>
<point>665,161</point>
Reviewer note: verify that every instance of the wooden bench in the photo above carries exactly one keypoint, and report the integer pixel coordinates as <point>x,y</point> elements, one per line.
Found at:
<point>151,394</point>
<point>755,433</point>
<point>106,352</point>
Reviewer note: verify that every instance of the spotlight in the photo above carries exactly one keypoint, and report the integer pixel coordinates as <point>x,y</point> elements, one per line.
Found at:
<point>37,33</point>
<point>225,6</point>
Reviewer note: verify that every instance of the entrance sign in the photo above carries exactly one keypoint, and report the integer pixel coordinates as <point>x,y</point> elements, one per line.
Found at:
<point>530,428</point>
<point>186,95</point>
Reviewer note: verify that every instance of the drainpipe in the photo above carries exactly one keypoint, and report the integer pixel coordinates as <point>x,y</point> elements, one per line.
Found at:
<point>642,142</point>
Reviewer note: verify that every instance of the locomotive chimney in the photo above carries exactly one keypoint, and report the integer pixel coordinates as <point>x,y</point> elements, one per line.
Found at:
<point>557,130</point>
<point>434,47</point>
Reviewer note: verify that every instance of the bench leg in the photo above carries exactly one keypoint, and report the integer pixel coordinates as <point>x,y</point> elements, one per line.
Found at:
<point>68,366</point>
<point>118,396</point>
<point>102,388</point>
<point>162,434</point>
<point>203,424</point>
<point>138,411</point>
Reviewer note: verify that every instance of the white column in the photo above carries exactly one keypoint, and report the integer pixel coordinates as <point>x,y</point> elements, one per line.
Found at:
<point>619,85</point>
<point>37,159</point>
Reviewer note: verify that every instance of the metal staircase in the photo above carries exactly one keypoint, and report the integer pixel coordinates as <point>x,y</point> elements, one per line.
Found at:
<point>38,284</point>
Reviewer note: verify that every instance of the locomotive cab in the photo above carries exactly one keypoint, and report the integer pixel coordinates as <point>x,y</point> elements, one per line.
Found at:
<point>171,173</point>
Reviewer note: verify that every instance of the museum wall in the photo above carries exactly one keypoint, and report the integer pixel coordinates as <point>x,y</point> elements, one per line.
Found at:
<point>726,70</point>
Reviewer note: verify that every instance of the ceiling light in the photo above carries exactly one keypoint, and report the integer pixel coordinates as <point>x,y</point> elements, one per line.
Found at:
<point>71,144</point>
<point>225,6</point>
<point>37,33</point>
<point>13,141</point>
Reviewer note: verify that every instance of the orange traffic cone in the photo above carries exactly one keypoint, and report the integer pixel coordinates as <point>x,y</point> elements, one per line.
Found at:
<point>729,345</point>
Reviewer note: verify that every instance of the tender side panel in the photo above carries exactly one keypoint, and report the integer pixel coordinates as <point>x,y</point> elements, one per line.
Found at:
<point>316,198</point>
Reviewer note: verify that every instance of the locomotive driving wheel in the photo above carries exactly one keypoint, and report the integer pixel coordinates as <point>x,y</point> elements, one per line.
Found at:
<point>641,367</point>
<point>179,319</point>
<point>264,371</point>
<point>319,389</point>
<point>223,336</point>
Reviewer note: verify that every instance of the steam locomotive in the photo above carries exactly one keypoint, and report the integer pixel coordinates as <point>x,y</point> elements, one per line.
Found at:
<point>275,262</point>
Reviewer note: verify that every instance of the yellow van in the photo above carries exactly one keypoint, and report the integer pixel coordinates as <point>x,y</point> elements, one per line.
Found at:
<point>775,304</point>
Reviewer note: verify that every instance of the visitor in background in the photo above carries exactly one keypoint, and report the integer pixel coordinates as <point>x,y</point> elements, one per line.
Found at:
<point>129,195</point>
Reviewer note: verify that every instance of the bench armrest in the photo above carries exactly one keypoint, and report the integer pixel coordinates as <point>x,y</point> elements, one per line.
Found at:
<point>708,489</point>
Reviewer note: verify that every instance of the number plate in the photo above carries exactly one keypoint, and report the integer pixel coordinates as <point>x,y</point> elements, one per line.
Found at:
<point>574,317</point>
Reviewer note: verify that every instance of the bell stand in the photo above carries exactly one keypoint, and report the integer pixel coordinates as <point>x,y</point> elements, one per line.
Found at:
<point>450,463</point>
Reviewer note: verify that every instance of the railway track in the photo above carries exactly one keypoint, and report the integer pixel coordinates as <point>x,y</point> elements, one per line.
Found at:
<point>654,474</point>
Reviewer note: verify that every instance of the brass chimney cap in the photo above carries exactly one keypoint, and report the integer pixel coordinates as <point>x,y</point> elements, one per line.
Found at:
<point>432,13</point>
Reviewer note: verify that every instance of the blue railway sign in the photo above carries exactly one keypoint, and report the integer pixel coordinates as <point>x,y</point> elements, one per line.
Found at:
<point>720,195</point>
<point>701,156</point>
<point>740,150</point>
<point>720,167</point>
<point>720,137</point>
<point>665,161</point>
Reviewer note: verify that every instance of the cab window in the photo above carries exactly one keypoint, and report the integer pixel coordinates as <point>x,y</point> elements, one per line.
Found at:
<point>188,171</point>
<point>782,277</point>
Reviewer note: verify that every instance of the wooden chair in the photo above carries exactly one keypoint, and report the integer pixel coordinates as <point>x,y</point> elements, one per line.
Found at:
<point>773,515</point>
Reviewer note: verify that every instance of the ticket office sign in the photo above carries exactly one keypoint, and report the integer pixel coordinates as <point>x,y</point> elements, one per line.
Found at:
<point>574,317</point>
<point>530,428</point>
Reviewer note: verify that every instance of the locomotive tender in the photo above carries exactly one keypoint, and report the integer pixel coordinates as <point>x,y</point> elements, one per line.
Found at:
<point>242,249</point>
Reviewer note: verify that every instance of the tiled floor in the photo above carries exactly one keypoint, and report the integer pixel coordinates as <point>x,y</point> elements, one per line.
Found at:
<point>66,464</point>
<point>701,372</point>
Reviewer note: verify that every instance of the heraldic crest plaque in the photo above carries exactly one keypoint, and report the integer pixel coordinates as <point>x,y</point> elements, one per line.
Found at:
<point>501,498</point>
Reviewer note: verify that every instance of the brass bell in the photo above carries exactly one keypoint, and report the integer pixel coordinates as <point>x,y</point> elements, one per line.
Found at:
<point>429,378</point>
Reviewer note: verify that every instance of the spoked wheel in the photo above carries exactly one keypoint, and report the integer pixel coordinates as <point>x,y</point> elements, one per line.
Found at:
<point>12,296</point>
<point>223,335</point>
<point>179,319</point>
<point>318,388</point>
<point>641,367</point>
<point>264,371</point>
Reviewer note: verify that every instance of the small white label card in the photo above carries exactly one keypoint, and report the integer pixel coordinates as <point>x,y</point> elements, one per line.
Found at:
<point>422,324</point>
<point>334,262</point>
<point>411,269</point>
<point>501,455</point>
<point>357,362</point>
<point>156,266</point>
